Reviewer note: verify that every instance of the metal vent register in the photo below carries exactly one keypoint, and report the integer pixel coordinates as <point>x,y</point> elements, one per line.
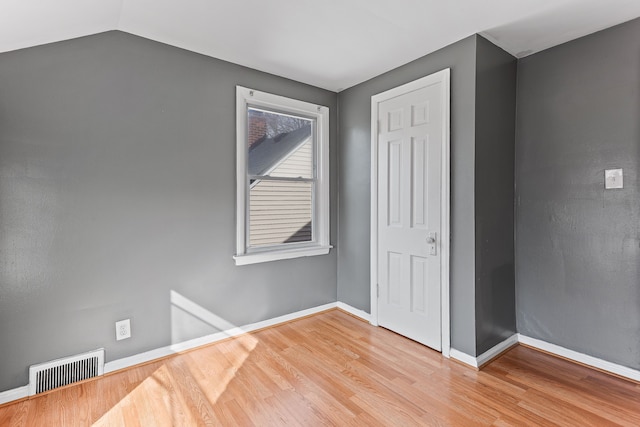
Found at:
<point>61,372</point>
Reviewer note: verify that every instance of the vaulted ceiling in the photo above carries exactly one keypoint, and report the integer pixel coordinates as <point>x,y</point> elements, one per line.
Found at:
<point>333,44</point>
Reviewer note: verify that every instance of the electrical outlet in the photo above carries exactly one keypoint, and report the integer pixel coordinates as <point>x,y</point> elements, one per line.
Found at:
<point>123,329</point>
<point>613,178</point>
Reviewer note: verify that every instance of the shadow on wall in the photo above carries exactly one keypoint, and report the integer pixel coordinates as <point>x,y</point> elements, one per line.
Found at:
<point>191,321</point>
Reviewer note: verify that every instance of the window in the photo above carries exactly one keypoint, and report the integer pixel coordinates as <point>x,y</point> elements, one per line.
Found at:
<point>282,177</point>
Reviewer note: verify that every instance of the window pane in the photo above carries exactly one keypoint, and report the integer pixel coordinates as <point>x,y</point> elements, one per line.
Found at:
<point>280,212</point>
<point>279,145</point>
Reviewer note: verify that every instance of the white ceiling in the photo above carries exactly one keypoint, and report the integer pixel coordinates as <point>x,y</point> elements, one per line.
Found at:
<point>333,44</point>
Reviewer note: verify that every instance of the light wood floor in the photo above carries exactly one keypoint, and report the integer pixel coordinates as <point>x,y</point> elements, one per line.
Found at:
<point>332,369</point>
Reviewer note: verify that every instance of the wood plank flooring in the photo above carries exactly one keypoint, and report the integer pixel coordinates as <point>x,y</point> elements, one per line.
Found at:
<point>333,369</point>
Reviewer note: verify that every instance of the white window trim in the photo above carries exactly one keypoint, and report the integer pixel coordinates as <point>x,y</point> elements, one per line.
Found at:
<point>246,97</point>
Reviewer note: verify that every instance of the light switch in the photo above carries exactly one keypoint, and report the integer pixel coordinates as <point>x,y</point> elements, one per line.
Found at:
<point>613,178</point>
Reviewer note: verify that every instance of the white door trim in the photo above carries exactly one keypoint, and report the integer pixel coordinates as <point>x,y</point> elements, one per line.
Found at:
<point>444,78</point>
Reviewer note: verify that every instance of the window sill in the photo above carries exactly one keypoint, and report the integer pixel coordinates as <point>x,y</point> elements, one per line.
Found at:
<point>257,257</point>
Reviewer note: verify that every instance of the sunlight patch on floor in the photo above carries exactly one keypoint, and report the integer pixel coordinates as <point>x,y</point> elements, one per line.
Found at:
<point>183,389</point>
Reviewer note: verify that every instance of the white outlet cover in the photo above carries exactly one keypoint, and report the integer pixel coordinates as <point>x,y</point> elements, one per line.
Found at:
<point>123,329</point>
<point>613,178</point>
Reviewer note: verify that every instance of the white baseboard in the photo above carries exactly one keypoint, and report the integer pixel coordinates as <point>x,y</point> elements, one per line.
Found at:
<point>585,359</point>
<point>485,357</point>
<point>148,356</point>
<point>497,349</point>
<point>355,311</point>
<point>582,358</point>
<point>158,353</point>
<point>620,370</point>
<point>14,394</point>
<point>463,357</point>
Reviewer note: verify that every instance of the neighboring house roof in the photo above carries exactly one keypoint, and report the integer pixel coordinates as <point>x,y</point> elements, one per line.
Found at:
<point>266,154</point>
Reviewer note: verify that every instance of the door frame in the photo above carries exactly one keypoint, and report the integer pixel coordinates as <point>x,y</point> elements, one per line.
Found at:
<point>444,78</point>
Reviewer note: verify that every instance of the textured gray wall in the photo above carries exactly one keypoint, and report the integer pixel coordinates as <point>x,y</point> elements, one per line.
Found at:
<point>117,185</point>
<point>577,244</point>
<point>494,183</point>
<point>354,175</point>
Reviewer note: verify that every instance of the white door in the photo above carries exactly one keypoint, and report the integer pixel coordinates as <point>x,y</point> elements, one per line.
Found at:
<point>410,136</point>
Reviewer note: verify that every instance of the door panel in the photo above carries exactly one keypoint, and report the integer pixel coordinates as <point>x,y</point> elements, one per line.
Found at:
<point>394,172</point>
<point>395,278</point>
<point>420,157</point>
<point>419,283</point>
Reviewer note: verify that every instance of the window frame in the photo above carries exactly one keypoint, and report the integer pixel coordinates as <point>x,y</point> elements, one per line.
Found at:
<point>319,245</point>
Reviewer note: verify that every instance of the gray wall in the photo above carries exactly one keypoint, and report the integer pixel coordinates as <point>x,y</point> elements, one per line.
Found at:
<point>494,188</point>
<point>578,245</point>
<point>354,175</point>
<point>117,186</point>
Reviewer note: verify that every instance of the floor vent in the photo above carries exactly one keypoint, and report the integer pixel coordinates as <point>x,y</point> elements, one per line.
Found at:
<point>57,373</point>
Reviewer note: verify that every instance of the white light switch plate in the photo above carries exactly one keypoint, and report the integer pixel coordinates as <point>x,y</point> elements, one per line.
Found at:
<point>613,178</point>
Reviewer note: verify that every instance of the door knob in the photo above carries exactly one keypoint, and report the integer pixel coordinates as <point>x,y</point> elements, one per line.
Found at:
<point>431,241</point>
